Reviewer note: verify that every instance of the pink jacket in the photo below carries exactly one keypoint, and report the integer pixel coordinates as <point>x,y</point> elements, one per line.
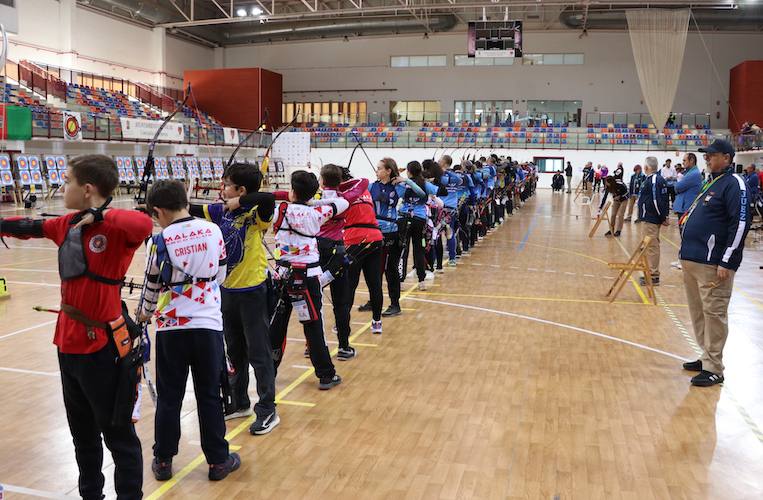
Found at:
<point>333,229</point>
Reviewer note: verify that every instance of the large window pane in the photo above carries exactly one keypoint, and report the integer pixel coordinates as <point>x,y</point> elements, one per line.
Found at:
<point>438,61</point>
<point>399,61</point>
<point>553,58</point>
<point>464,60</point>
<point>573,59</point>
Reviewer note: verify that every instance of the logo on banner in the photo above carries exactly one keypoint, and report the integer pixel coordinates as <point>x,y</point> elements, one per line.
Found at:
<point>72,126</point>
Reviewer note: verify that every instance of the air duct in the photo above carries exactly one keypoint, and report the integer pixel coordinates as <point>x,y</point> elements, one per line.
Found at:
<point>743,18</point>
<point>337,28</point>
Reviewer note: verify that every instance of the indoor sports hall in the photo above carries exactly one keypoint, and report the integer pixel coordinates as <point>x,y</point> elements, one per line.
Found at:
<point>361,249</point>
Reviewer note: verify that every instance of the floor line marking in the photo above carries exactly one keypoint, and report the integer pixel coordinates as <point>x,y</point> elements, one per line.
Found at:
<point>32,283</point>
<point>52,322</point>
<point>29,372</point>
<point>34,493</point>
<point>541,299</point>
<point>167,486</point>
<point>554,323</point>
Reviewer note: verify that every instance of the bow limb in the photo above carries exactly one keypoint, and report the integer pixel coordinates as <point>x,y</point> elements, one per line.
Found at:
<point>140,198</point>
<point>248,136</point>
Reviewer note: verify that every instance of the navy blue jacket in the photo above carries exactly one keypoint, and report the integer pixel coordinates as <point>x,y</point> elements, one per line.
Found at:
<point>634,187</point>
<point>653,204</point>
<point>714,232</point>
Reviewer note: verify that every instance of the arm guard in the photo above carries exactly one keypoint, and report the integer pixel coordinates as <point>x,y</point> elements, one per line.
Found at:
<point>19,227</point>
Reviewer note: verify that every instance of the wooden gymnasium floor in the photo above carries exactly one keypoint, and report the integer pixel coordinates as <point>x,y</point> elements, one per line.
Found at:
<point>510,378</point>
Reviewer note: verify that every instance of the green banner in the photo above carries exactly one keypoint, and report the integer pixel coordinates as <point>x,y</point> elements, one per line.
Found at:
<point>19,123</point>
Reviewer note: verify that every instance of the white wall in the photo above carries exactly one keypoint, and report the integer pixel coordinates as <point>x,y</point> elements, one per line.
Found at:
<point>182,55</point>
<point>103,45</point>
<point>606,82</point>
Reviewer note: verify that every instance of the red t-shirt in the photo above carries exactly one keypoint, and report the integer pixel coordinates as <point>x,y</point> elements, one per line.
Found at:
<point>360,224</point>
<point>109,247</point>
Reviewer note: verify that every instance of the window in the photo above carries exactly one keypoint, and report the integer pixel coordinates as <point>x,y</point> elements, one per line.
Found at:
<point>552,59</point>
<point>549,164</point>
<point>414,111</point>
<point>464,60</point>
<point>486,112</point>
<point>551,112</point>
<point>418,61</point>
<point>330,111</point>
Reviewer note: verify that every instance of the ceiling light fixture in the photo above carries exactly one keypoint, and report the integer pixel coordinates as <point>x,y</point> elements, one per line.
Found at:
<point>256,11</point>
<point>241,12</point>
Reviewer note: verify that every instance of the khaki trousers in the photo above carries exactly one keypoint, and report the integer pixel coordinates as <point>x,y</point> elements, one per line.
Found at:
<point>708,307</point>
<point>631,203</point>
<point>653,250</point>
<point>617,214</point>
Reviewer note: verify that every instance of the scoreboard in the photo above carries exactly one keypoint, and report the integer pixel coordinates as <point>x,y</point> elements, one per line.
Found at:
<point>494,39</point>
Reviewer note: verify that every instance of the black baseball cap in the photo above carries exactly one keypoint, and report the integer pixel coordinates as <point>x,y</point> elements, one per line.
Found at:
<point>719,146</point>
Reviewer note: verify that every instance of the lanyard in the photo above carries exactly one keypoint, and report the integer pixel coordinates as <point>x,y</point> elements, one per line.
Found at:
<point>694,204</point>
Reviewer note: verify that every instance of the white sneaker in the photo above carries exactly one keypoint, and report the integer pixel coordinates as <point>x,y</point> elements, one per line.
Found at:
<point>429,276</point>
<point>423,286</point>
<point>376,327</point>
<point>676,265</point>
<point>246,412</point>
<point>440,271</point>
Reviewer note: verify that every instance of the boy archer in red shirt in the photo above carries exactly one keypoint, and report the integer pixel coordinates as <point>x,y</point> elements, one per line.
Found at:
<point>96,246</point>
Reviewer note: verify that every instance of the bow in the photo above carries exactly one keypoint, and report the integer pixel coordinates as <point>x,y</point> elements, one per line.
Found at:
<point>248,136</point>
<point>359,145</point>
<point>140,197</point>
<point>266,157</point>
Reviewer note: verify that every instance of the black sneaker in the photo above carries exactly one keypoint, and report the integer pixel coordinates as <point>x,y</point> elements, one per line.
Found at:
<point>392,310</point>
<point>655,281</point>
<point>263,425</point>
<point>307,352</point>
<point>608,233</point>
<point>365,307</point>
<point>327,383</point>
<point>218,472</point>
<point>162,469</point>
<point>345,353</point>
<point>693,366</point>
<point>706,379</point>
<point>617,234</point>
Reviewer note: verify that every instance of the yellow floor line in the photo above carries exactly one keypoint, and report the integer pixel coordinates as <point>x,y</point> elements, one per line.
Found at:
<point>167,486</point>
<point>294,403</point>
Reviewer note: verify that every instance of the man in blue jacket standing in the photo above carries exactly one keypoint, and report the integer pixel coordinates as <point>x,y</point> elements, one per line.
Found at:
<point>713,231</point>
<point>653,214</point>
<point>687,188</point>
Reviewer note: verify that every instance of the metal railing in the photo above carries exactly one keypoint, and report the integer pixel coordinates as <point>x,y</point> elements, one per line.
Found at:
<point>747,141</point>
<point>575,140</point>
<point>620,119</point>
<point>108,128</point>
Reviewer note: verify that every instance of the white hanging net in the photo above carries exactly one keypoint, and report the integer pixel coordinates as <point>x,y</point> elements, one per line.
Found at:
<point>658,38</point>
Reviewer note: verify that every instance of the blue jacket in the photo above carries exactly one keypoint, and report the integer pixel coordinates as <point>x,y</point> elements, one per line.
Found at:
<point>385,197</point>
<point>452,182</point>
<point>634,185</point>
<point>653,204</point>
<point>687,189</point>
<point>714,232</point>
<point>753,184</point>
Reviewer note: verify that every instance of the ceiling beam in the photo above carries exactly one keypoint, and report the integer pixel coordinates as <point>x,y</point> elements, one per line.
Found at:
<point>310,7</point>
<point>181,12</point>
<point>220,7</point>
<point>311,11</point>
<point>265,9</point>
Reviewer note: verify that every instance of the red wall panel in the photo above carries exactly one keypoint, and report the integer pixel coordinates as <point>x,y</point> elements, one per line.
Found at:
<point>745,89</point>
<point>238,96</point>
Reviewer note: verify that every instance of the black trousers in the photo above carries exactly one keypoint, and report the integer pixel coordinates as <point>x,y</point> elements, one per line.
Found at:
<point>313,330</point>
<point>416,239</point>
<point>89,384</point>
<point>370,262</point>
<point>246,325</point>
<point>464,228</point>
<point>203,352</point>
<point>341,296</point>
<point>391,252</point>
